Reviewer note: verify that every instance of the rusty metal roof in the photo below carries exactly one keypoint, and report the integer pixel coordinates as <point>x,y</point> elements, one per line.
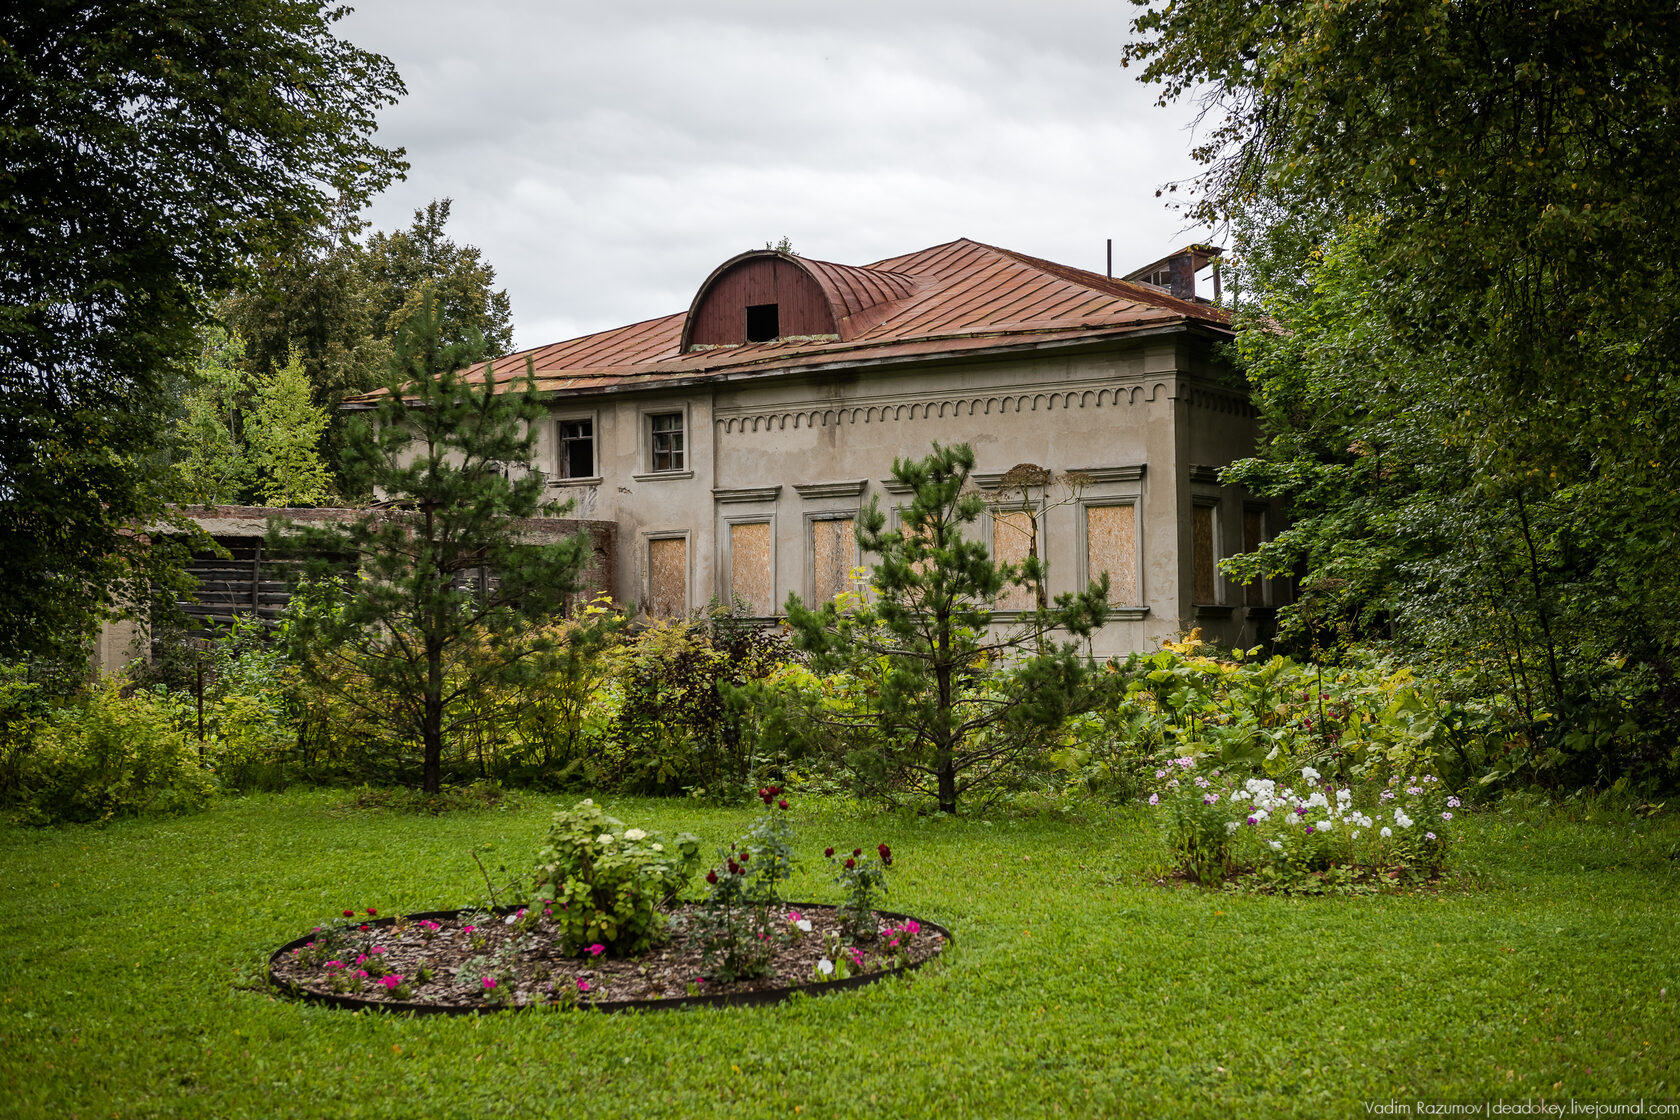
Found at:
<point>959,297</point>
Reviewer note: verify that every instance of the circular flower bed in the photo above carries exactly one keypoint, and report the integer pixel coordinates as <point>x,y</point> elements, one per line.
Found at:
<point>458,962</point>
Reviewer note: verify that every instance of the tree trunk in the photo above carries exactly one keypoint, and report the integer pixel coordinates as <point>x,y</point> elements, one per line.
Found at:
<point>947,782</point>
<point>431,733</point>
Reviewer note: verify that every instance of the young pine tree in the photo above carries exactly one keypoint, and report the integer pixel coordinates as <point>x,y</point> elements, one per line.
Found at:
<point>447,588</point>
<point>959,699</point>
<point>283,440</point>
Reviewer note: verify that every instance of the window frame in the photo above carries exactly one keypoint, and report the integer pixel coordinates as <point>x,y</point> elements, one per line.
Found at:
<point>594,420</point>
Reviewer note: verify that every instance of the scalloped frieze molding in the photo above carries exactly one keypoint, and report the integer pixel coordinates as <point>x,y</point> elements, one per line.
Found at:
<point>990,404</point>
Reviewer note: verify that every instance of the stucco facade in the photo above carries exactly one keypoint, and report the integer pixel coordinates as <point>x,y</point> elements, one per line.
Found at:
<point>775,456</point>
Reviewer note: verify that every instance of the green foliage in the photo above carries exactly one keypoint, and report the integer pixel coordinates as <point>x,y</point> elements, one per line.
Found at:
<point>284,436</point>
<point>108,756</point>
<point>151,152</point>
<point>447,592</point>
<point>607,882</point>
<point>677,726</point>
<point>862,877</point>
<point>207,465</point>
<point>739,920</point>
<point>1463,338</point>
<point>926,644</point>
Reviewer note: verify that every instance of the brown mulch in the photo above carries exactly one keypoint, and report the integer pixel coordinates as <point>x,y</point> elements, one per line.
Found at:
<point>533,971</point>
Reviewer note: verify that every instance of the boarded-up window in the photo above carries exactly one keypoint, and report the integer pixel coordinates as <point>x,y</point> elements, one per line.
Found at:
<point>833,551</point>
<point>750,578</point>
<point>1254,534</point>
<point>1011,544</point>
<point>1202,556</point>
<point>667,577</point>
<point>1111,546</point>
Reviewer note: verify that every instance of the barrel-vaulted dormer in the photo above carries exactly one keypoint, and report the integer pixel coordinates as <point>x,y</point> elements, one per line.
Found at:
<point>765,295</point>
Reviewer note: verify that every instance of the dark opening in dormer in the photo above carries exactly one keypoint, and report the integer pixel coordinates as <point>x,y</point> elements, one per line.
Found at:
<point>763,322</point>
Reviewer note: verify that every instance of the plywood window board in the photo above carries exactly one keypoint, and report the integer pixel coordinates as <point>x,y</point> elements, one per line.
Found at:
<point>1203,555</point>
<point>833,555</point>
<point>1012,544</point>
<point>667,577</point>
<point>751,580</point>
<point>1111,546</point>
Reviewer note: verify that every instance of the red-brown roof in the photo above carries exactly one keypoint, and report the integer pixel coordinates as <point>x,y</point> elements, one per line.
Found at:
<point>961,296</point>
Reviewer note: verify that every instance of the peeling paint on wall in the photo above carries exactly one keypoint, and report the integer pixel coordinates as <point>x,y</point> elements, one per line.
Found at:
<point>1111,546</point>
<point>667,577</point>
<point>834,554</point>
<point>750,577</point>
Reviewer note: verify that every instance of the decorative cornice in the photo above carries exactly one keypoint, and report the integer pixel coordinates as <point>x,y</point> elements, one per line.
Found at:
<point>1128,473</point>
<point>831,489</point>
<point>662,476</point>
<point>990,404</point>
<point>1200,473</point>
<point>721,494</point>
<point>894,486</point>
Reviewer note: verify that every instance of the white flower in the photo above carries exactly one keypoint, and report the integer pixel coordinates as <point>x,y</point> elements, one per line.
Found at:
<point>634,834</point>
<point>1386,832</point>
<point>1237,795</point>
<point>1452,802</point>
<point>1277,845</point>
<point>1344,795</point>
<point>1309,774</point>
<point>1154,799</point>
<point>1446,816</point>
<point>1160,773</point>
<point>1318,801</point>
<point>1230,826</point>
<point>604,838</point>
<point>1429,836</point>
<point>659,847</point>
<point>1261,814</point>
<point>1401,819</point>
<point>1356,834</point>
<point>1324,826</point>
<point>825,966</point>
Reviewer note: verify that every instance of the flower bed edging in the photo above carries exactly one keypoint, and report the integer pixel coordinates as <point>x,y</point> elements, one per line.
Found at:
<point>727,999</point>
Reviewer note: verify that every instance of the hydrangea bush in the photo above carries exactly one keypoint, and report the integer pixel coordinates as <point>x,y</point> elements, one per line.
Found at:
<point>1303,836</point>
<point>605,883</point>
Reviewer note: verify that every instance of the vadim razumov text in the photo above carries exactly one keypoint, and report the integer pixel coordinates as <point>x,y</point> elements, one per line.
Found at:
<point>1539,1107</point>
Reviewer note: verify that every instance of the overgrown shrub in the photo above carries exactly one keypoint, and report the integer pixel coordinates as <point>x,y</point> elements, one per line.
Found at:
<point>607,882</point>
<point>109,755</point>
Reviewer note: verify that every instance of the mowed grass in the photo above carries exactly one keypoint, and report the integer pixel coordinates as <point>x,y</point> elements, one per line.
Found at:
<point>1078,987</point>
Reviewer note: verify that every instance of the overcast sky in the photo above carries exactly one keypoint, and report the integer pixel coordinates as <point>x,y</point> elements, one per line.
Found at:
<point>607,156</point>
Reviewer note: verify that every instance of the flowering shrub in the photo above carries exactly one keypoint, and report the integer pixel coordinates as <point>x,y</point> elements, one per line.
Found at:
<point>1319,836</point>
<point>734,925</point>
<point>864,879</point>
<point>607,882</point>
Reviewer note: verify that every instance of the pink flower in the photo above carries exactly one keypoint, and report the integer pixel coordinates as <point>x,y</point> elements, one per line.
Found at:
<point>1154,799</point>
<point>468,929</point>
<point>378,949</point>
<point>335,964</point>
<point>489,983</point>
<point>596,949</point>
<point>583,985</point>
<point>361,958</point>
<point>390,983</point>
<point>912,927</point>
<point>361,973</point>
<point>794,915</point>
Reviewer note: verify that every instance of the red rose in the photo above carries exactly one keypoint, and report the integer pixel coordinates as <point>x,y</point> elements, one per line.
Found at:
<point>775,791</point>
<point>782,804</point>
<point>711,877</point>
<point>367,927</point>
<point>829,852</point>
<point>857,851</point>
<point>886,852</point>
<point>349,913</point>
<point>851,863</point>
<point>372,913</point>
<point>745,856</point>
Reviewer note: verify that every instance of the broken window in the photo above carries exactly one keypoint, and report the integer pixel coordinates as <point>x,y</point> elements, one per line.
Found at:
<point>1111,546</point>
<point>667,441</point>
<point>577,449</point>
<point>751,581</point>
<point>763,322</point>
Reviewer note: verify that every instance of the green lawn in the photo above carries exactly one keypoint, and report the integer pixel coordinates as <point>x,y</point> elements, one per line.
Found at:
<point>1076,987</point>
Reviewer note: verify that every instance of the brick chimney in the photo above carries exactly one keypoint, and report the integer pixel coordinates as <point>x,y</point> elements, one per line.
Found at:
<point>1176,272</point>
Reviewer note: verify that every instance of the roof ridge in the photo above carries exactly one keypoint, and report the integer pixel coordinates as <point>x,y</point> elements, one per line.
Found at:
<point>1108,285</point>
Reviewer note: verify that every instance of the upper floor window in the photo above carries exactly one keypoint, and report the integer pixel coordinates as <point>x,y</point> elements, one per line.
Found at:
<point>577,448</point>
<point>667,441</point>
<point>764,322</point>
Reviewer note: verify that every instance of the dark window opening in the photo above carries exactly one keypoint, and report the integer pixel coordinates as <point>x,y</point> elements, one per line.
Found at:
<point>667,441</point>
<point>764,322</point>
<point>577,449</point>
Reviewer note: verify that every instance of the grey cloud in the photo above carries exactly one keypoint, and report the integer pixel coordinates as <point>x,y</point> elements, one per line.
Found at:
<point>606,157</point>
